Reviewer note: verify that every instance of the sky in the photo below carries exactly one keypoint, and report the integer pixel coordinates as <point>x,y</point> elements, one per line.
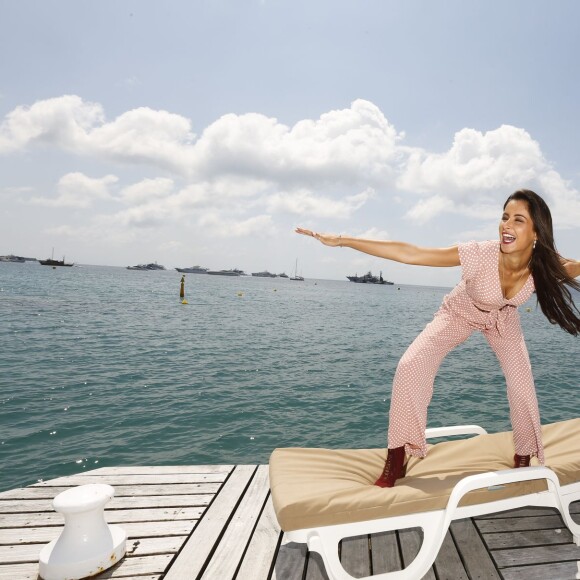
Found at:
<point>196,132</point>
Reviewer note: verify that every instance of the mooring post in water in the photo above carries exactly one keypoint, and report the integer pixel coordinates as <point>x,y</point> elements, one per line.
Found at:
<point>182,291</point>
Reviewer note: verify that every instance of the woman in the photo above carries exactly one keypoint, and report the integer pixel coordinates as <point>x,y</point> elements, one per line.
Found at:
<point>497,277</point>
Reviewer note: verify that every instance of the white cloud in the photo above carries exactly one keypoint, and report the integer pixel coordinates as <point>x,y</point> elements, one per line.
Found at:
<point>145,136</point>
<point>241,164</point>
<point>147,190</point>
<point>63,122</point>
<point>500,159</point>
<point>170,245</point>
<point>78,190</point>
<point>304,203</point>
<point>66,231</point>
<point>345,146</point>
<point>141,136</point>
<point>429,207</point>
<point>142,216</point>
<point>374,234</point>
<point>479,171</point>
<point>563,199</point>
<point>258,225</point>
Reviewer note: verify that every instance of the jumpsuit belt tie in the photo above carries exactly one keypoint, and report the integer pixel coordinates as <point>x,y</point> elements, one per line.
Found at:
<point>498,318</point>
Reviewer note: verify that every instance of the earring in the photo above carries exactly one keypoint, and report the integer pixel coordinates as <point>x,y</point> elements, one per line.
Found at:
<point>534,246</point>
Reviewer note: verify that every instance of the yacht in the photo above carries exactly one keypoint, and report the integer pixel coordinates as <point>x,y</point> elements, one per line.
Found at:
<point>193,270</point>
<point>264,274</point>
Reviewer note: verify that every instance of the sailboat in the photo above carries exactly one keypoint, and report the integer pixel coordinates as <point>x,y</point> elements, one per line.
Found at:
<point>296,277</point>
<point>52,262</point>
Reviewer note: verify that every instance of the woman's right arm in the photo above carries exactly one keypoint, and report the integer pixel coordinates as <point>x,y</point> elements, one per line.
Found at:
<point>391,250</point>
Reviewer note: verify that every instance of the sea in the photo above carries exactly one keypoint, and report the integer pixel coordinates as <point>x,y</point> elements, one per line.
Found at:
<point>102,366</point>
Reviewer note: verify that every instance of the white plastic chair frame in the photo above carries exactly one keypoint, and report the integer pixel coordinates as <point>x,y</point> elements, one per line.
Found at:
<point>325,539</point>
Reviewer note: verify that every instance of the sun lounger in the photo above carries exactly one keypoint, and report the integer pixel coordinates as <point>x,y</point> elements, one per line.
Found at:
<point>322,496</point>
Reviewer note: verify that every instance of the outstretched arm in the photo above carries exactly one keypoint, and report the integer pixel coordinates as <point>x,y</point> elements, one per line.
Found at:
<point>391,250</point>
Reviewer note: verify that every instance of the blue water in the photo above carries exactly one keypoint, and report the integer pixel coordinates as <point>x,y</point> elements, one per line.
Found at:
<point>103,366</point>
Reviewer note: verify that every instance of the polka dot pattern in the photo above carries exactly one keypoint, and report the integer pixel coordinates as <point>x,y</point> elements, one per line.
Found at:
<point>476,303</point>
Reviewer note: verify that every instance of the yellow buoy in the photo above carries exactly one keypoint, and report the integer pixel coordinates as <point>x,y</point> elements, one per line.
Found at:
<point>184,301</point>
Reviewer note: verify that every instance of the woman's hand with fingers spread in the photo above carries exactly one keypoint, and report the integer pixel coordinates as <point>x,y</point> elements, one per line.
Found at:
<point>326,239</point>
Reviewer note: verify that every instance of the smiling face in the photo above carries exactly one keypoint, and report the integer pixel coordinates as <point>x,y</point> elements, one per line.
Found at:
<point>516,228</point>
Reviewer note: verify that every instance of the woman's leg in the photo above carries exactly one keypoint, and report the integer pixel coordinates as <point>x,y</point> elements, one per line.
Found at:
<point>414,378</point>
<point>513,357</point>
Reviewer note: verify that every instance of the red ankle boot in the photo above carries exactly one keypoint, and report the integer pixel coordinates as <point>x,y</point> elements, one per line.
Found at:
<point>395,467</point>
<point>521,460</point>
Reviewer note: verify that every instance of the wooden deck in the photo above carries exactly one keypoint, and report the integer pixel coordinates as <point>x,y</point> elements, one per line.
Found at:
<point>216,522</point>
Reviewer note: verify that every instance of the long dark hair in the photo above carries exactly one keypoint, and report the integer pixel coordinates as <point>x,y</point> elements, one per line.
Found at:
<point>550,276</point>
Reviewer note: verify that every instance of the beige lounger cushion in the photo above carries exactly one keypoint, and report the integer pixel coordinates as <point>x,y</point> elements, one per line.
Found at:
<point>320,487</point>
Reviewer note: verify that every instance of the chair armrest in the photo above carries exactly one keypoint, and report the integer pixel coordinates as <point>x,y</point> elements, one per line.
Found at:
<point>499,478</point>
<point>454,430</point>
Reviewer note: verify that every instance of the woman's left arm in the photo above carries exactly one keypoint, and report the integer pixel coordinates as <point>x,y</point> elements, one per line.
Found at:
<point>572,267</point>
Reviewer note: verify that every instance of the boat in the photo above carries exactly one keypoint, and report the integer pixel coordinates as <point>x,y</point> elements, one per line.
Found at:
<point>233,272</point>
<point>264,274</point>
<point>52,262</point>
<point>193,270</point>
<point>283,275</point>
<point>296,276</point>
<point>368,278</point>
<point>155,266</point>
<point>12,258</point>
<point>152,266</point>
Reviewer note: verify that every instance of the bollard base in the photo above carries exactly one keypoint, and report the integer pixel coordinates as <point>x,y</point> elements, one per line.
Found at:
<point>75,570</point>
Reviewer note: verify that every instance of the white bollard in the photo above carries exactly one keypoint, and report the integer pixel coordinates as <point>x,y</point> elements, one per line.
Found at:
<point>87,545</point>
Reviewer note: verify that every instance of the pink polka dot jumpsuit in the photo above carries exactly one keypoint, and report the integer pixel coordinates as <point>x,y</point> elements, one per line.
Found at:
<point>476,303</point>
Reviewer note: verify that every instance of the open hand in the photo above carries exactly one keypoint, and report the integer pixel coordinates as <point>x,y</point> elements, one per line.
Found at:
<point>327,239</point>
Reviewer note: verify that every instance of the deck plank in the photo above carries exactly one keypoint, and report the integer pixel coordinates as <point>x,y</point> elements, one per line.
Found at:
<point>410,544</point>
<point>157,501</point>
<point>519,524</point>
<point>194,554</point>
<point>553,571</point>
<point>290,561</point>
<point>137,566</point>
<point>14,536</point>
<point>148,566</point>
<point>20,571</point>
<point>261,552</point>
<point>315,569</point>
<point>355,556</point>
<point>528,538</point>
<point>536,555</point>
<point>474,553</point>
<point>137,547</point>
<point>159,469</point>
<point>232,545</point>
<point>44,519</point>
<point>50,492</point>
<point>385,552</point>
<point>135,479</point>
<point>448,564</point>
